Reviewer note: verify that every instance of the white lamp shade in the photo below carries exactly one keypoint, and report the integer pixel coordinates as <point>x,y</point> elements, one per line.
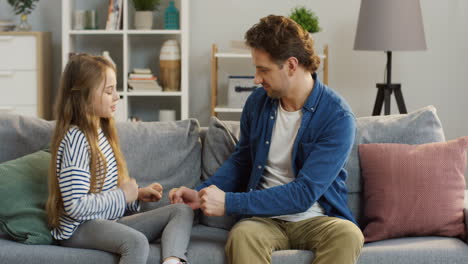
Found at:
<point>390,25</point>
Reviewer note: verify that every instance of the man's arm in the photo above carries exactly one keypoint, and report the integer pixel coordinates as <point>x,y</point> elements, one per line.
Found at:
<point>326,159</point>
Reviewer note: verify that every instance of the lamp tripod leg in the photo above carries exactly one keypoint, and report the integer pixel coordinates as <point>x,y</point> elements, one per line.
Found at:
<point>400,101</point>
<point>378,101</point>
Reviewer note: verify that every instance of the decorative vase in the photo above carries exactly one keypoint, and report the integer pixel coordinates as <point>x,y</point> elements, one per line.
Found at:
<point>169,65</point>
<point>171,17</point>
<point>106,55</point>
<point>24,25</point>
<point>143,20</point>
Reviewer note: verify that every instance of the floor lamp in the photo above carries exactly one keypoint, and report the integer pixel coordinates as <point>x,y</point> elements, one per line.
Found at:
<point>389,25</point>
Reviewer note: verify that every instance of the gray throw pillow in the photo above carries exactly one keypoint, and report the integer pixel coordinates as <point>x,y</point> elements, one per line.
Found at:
<point>220,141</point>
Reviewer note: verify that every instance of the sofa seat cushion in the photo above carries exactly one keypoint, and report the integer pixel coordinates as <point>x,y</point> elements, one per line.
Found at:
<point>207,246</point>
<point>415,250</point>
<point>16,253</point>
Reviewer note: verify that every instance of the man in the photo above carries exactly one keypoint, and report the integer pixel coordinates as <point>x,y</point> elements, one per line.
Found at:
<point>287,172</point>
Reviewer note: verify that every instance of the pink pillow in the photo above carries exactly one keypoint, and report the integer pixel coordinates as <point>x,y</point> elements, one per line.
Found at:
<point>414,190</point>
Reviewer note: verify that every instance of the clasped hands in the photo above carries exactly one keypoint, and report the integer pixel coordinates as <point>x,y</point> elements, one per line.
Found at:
<point>211,200</point>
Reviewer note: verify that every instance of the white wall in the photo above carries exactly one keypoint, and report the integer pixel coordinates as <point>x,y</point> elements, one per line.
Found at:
<point>438,76</point>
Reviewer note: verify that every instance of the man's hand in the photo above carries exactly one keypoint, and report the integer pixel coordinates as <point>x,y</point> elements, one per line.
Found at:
<point>150,193</point>
<point>212,201</point>
<point>185,195</point>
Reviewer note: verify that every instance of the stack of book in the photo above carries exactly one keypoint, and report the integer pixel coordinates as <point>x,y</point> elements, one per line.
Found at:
<point>7,25</point>
<point>142,80</point>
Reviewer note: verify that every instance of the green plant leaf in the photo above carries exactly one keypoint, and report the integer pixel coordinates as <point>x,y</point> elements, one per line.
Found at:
<point>146,5</point>
<point>23,6</point>
<point>306,18</point>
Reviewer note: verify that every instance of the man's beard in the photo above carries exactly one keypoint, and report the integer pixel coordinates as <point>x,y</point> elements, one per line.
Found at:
<point>274,94</point>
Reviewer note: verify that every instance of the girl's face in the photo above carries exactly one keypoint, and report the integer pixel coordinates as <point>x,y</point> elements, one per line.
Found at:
<point>106,97</point>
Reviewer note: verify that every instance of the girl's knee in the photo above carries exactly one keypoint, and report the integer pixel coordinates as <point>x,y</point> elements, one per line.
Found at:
<point>183,209</point>
<point>136,242</point>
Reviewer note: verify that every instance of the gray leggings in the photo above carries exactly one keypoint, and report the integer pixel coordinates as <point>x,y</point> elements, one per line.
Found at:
<point>129,236</point>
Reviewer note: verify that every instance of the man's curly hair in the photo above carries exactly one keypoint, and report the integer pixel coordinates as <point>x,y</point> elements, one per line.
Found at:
<point>281,38</point>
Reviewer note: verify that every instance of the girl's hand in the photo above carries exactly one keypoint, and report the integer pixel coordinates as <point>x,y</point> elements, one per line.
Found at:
<point>130,189</point>
<point>151,193</point>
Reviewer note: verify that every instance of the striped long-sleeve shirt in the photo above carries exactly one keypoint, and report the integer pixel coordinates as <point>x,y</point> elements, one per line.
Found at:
<point>73,172</point>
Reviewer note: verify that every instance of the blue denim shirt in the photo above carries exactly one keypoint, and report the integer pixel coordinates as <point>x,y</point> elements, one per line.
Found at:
<point>320,151</point>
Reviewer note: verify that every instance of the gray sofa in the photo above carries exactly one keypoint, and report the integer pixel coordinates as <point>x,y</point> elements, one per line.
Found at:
<point>180,153</point>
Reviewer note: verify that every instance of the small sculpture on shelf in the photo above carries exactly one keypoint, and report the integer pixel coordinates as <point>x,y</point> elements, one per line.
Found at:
<point>169,65</point>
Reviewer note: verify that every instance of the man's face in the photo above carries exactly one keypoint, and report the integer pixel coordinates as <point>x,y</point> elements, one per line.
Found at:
<point>273,78</point>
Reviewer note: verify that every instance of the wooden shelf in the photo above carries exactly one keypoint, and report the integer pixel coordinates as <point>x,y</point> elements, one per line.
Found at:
<point>233,55</point>
<point>150,93</point>
<point>221,109</point>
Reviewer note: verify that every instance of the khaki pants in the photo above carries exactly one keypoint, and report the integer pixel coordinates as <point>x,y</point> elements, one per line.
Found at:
<point>333,240</point>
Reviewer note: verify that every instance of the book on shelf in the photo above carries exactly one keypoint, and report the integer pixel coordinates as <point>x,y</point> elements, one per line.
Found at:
<point>144,79</point>
<point>141,76</point>
<point>114,14</point>
<point>144,86</point>
<point>142,70</point>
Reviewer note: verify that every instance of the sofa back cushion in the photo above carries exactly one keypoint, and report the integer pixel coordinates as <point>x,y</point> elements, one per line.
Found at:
<point>165,152</point>
<point>418,127</point>
<point>21,135</point>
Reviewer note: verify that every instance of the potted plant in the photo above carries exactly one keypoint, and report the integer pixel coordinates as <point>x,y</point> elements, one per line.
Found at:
<point>23,8</point>
<point>144,13</point>
<point>306,18</point>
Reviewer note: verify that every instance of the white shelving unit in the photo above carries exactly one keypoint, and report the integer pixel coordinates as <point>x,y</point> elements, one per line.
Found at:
<point>131,48</point>
<point>215,56</point>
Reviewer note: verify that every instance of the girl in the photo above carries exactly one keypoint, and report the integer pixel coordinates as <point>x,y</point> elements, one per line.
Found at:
<point>89,186</point>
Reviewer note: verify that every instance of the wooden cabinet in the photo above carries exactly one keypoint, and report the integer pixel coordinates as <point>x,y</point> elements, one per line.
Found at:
<point>25,81</point>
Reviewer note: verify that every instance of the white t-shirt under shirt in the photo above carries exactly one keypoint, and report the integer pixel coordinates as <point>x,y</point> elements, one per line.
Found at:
<point>278,170</point>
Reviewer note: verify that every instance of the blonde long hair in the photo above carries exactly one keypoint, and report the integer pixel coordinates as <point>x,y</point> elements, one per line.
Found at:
<point>82,76</point>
